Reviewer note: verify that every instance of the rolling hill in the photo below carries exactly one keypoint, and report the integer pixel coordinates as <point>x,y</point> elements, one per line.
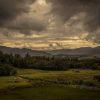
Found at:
<point>78,51</point>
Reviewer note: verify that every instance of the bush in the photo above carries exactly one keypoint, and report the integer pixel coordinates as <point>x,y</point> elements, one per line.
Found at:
<point>89,83</point>
<point>97,78</point>
<point>6,70</point>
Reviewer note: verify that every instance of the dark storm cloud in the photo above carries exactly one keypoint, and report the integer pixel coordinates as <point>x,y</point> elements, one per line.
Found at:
<point>26,24</point>
<point>11,9</point>
<point>65,9</point>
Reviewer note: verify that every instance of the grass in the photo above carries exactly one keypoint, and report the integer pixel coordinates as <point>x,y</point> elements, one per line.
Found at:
<point>70,74</point>
<point>27,74</point>
<point>50,93</point>
<point>32,84</point>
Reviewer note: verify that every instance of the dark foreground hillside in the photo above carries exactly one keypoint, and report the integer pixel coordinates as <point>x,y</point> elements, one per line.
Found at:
<point>50,93</point>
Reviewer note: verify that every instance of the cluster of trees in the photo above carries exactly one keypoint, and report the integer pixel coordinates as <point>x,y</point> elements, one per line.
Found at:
<point>48,63</point>
<point>6,70</point>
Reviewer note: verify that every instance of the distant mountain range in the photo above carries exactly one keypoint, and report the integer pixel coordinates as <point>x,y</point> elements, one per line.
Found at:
<point>79,51</point>
<point>23,51</point>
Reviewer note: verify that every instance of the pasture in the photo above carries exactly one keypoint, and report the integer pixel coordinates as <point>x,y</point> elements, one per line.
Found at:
<point>31,84</point>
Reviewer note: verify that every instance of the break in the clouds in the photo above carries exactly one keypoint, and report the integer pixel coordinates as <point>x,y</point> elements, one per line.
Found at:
<point>50,23</point>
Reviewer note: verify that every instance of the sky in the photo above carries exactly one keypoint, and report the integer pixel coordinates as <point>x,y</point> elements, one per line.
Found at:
<point>49,24</point>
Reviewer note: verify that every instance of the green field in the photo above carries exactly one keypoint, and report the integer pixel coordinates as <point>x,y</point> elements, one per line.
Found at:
<point>50,93</point>
<point>51,85</point>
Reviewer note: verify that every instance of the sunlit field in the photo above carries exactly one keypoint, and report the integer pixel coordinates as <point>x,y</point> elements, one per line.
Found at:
<point>31,84</point>
<point>28,76</point>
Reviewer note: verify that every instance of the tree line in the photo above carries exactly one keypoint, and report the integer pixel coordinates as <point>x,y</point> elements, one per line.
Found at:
<point>48,63</point>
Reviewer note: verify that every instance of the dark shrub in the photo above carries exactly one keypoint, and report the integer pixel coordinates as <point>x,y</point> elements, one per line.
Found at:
<point>89,83</point>
<point>6,70</point>
<point>97,78</point>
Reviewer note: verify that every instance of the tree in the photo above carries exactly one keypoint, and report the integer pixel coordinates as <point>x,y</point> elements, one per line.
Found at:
<point>6,70</point>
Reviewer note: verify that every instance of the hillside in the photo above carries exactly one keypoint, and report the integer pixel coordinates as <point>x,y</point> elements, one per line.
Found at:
<point>78,51</point>
<point>22,51</point>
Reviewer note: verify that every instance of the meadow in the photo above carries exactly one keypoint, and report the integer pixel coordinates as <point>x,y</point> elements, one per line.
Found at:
<point>31,84</point>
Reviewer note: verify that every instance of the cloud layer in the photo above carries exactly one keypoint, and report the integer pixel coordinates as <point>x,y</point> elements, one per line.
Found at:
<point>10,9</point>
<point>66,9</point>
<point>46,20</point>
<point>15,15</point>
